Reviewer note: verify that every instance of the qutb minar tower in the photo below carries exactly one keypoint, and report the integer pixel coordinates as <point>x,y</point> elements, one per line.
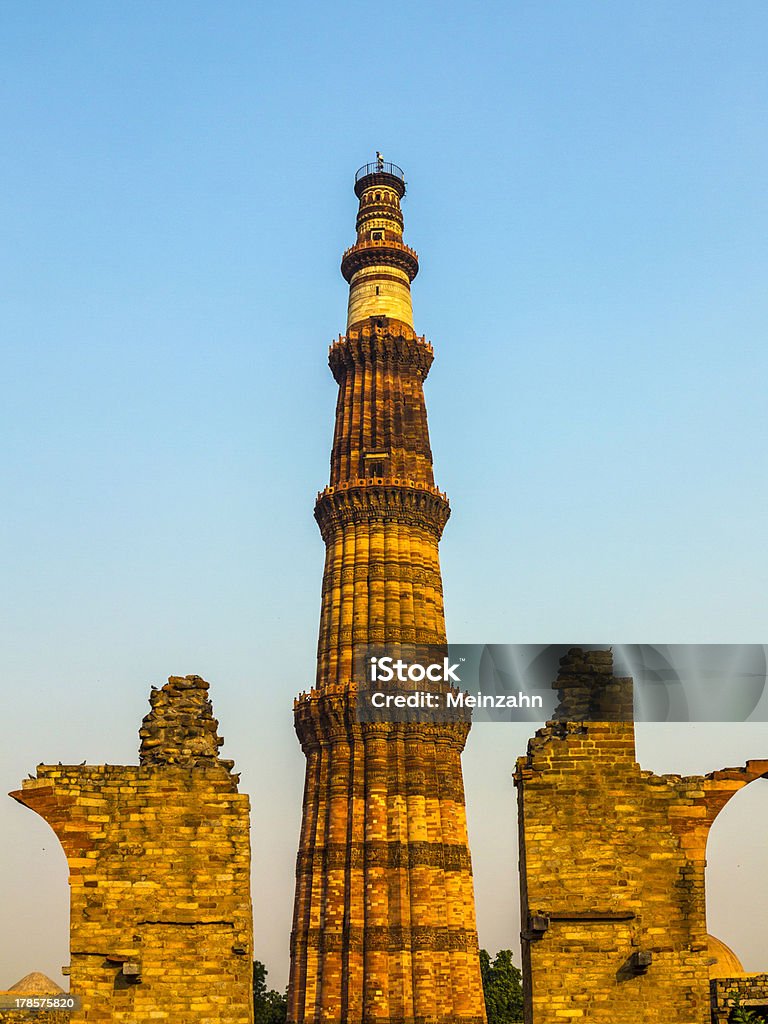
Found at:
<point>384,920</point>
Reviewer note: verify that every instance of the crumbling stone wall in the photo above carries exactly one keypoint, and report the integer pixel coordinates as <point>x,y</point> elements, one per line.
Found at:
<point>612,865</point>
<point>33,1016</point>
<point>159,860</point>
<point>751,989</point>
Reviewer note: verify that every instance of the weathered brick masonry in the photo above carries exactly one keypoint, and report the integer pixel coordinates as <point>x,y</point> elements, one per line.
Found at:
<point>751,989</point>
<point>612,864</point>
<point>159,861</point>
<point>35,1016</point>
<point>22,1016</point>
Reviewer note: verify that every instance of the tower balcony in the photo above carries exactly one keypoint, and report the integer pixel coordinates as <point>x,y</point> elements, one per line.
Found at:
<point>373,252</point>
<point>414,485</point>
<point>417,505</point>
<point>380,172</point>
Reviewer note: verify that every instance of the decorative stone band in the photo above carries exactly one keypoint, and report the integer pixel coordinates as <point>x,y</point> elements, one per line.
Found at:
<point>378,569</point>
<point>386,252</point>
<point>394,344</point>
<point>393,854</point>
<point>324,718</point>
<point>426,641</point>
<point>382,500</point>
<point>371,209</point>
<point>391,939</point>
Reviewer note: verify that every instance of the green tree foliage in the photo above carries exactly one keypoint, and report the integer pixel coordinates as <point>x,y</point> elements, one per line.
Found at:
<point>269,1007</point>
<point>742,1014</point>
<point>502,988</point>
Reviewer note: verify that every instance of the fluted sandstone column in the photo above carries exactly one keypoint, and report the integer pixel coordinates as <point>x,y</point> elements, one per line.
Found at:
<point>384,922</point>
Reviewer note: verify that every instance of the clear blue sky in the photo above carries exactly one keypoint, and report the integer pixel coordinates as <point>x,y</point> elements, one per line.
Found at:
<point>587,194</point>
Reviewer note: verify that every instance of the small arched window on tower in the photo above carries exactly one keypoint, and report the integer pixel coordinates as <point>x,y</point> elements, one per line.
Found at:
<point>377,236</point>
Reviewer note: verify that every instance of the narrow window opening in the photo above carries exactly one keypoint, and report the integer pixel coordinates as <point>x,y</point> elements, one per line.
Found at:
<point>377,236</point>
<point>374,463</point>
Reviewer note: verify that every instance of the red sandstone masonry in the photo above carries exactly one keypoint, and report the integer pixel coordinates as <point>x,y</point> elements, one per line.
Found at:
<point>384,924</point>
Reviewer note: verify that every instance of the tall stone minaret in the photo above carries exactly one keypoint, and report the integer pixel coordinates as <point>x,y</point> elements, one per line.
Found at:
<point>384,920</point>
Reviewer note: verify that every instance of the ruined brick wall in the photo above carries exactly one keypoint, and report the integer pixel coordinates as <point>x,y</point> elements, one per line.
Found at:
<point>612,867</point>
<point>159,860</point>
<point>752,990</point>
<point>34,1016</point>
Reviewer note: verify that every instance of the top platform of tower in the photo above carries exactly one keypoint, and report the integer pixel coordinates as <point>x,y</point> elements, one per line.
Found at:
<point>380,172</point>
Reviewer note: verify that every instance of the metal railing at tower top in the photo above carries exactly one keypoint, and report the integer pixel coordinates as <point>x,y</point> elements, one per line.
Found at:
<point>380,167</point>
